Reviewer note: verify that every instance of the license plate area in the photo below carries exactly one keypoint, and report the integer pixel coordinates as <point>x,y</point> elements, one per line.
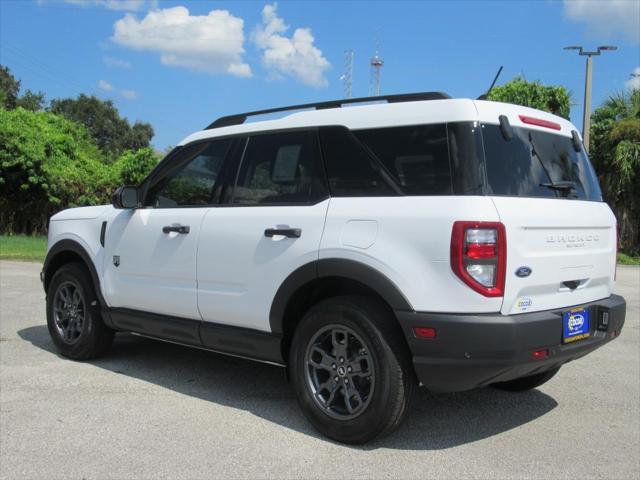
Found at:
<point>575,325</point>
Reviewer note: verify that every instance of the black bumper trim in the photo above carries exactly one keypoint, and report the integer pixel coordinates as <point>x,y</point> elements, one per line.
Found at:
<point>475,350</point>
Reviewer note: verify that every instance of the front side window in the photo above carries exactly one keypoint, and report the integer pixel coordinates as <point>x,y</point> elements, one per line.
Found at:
<point>280,169</point>
<point>191,179</point>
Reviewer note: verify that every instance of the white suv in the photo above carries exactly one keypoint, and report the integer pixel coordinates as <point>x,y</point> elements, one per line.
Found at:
<point>368,248</point>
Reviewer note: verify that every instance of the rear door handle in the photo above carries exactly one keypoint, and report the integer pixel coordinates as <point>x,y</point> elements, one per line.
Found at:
<point>182,229</point>
<point>285,232</point>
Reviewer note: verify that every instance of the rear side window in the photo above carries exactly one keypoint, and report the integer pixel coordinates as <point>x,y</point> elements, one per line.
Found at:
<point>417,157</point>
<point>466,156</point>
<point>351,171</point>
<point>522,166</point>
<point>280,169</point>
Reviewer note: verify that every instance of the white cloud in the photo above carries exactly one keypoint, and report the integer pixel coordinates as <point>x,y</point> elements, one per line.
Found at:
<point>128,5</point>
<point>210,43</point>
<point>114,62</point>
<point>634,81</point>
<point>104,85</point>
<point>607,18</point>
<point>128,94</point>
<point>295,56</point>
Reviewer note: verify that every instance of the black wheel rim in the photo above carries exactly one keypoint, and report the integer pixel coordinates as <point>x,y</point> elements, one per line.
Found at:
<point>69,311</point>
<point>339,371</point>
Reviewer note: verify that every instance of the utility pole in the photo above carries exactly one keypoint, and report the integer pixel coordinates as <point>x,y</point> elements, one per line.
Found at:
<point>586,115</point>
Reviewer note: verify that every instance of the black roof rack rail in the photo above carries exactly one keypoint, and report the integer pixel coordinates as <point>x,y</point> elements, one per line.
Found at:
<point>240,118</point>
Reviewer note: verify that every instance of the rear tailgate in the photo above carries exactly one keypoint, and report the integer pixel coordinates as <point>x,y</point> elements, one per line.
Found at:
<point>569,247</point>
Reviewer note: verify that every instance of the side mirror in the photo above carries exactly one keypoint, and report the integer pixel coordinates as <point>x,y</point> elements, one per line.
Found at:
<point>125,197</point>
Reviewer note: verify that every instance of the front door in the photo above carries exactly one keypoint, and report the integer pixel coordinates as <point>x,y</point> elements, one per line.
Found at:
<point>150,252</point>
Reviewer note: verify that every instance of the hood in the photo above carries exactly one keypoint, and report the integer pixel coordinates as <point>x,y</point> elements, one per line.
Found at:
<point>81,213</point>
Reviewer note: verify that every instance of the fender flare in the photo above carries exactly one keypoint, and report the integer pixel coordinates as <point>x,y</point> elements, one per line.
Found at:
<point>334,267</point>
<point>72,246</point>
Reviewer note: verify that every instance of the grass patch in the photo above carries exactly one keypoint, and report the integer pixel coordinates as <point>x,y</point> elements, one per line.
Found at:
<point>624,259</point>
<point>23,247</point>
<point>29,248</point>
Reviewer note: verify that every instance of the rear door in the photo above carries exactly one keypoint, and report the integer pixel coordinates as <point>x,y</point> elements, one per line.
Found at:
<point>269,224</point>
<point>150,252</point>
<point>561,237</point>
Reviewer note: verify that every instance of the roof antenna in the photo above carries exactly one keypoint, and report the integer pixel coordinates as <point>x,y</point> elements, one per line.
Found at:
<point>484,96</point>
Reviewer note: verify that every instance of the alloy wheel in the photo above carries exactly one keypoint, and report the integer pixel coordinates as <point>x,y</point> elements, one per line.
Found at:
<point>339,372</point>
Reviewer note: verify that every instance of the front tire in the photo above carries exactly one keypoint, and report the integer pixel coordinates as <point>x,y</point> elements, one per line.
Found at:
<point>527,383</point>
<point>73,315</point>
<point>351,369</point>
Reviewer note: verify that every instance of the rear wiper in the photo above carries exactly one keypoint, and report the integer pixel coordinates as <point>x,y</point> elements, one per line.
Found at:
<point>565,187</point>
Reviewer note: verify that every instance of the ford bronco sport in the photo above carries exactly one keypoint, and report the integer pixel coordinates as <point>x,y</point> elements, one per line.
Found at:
<point>451,243</point>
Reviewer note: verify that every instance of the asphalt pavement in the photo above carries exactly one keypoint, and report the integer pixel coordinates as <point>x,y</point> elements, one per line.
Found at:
<point>156,410</point>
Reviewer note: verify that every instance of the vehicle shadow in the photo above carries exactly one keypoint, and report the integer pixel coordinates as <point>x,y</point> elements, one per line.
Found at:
<point>433,421</point>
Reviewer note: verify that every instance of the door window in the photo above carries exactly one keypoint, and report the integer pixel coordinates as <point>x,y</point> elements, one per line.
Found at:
<point>280,169</point>
<point>191,181</point>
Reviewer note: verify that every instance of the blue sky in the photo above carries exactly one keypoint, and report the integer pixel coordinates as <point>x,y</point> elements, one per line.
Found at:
<point>180,68</point>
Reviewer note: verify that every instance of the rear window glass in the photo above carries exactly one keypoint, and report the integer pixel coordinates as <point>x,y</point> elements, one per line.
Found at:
<point>532,162</point>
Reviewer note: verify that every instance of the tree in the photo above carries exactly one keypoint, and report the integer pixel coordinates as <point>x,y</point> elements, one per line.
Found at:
<point>139,136</point>
<point>112,133</point>
<point>47,163</point>
<point>615,154</point>
<point>556,100</point>
<point>132,167</point>
<point>31,101</point>
<point>9,88</point>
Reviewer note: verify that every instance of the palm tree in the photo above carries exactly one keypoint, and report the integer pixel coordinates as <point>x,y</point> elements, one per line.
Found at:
<point>615,153</point>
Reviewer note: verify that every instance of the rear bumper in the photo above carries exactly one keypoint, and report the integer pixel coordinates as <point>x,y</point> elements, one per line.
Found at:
<point>472,350</point>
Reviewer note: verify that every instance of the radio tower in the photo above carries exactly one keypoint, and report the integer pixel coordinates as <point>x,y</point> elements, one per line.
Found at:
<point>374,78</point>
<point>347,77</point>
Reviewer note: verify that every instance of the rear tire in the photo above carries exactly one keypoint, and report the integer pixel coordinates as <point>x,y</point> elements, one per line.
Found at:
<point>73,314</point>
<point>526,383</point>
<point>351,369</point>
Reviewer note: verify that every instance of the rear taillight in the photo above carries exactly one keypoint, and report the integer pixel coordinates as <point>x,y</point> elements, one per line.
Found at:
<point>479,256</point>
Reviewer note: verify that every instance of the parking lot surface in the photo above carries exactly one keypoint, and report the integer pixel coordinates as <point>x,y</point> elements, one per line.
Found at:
<point>157,410</point>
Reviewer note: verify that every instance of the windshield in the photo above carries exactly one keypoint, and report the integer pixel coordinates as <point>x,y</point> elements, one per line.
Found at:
<point>537,164</point>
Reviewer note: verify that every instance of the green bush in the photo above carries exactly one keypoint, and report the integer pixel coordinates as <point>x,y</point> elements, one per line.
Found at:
<point>132,167</point>
<point>47,163</point>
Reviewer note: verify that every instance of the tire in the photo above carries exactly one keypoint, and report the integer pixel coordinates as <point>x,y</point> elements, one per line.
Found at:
<point>527,383</point>
<point>73,315</point>
<point>369,340</point>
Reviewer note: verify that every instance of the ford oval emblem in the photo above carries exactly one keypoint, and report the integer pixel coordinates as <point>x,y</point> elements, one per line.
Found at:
<point>523,272</point>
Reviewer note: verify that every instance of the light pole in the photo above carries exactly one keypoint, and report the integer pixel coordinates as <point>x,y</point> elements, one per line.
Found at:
<point>586,118</point>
